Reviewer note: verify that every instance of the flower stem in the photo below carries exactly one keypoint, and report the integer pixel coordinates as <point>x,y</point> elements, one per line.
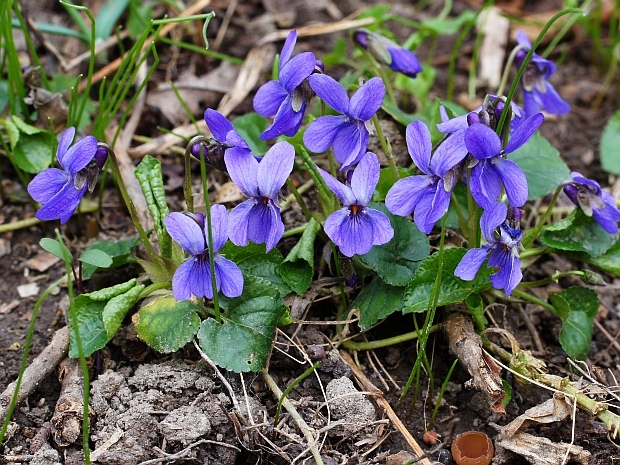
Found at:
<point>535,300</point>
<point>205,193</point>
<point>390,341</point>
<point>83,365</point>
<point>294,231</point>
<point>289,199</point>
<point>387,148</point>
<point>459,213</point>
<point>300,201</point>
<point>507,108</point>
<point>187,188</point>
<point>507,68</point>
<point>132,208</point>
<point>533,236</point>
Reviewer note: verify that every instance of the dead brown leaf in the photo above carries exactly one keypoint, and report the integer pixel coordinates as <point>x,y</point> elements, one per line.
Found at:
<point>42,261</point>
<point>197,92</point>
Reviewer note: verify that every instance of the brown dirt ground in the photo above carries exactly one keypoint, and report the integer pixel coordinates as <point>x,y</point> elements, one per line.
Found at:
<point>576,135</point>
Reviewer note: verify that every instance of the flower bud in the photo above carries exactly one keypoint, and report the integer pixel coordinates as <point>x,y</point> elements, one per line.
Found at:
<point>213,153</point>
<point>592,278</point>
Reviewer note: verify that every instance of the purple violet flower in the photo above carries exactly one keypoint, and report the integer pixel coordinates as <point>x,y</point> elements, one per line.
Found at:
<point>258,218</point>
<point>537,92</point>
<point>503,245</point>
<point>491,169</point>
<point>383,49</point>
<point>347,134</point>
<point>286,98</point>
<point>427,195</point>
<point>225,135</point>
<point>193,277</point>
<point>356,227</point>
<point>593,201</point>
<point>61,190</point>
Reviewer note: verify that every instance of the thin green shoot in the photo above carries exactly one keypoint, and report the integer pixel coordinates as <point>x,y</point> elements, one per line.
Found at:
<point>440,396</point>
<point>24,362</point>
<point>74,12</point>
<point>31,47</point>
<point>179,97</point>
<point>53,29</point>
<point>526,60</point>
<point>429,318</point>
<point>202,50</point>
<point>84,366</point>
<point>290,387</point>
<point>211,254</point>
<point>16,85</point>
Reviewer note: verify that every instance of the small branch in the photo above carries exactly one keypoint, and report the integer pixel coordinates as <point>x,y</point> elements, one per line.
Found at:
<point>38,370</point>
<point>301,424</point>
<point>378,395</point>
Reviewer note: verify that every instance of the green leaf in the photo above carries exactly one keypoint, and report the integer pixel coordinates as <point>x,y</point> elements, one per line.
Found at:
<point>140,15</point>
<point>4,95</point>
<point>396,261</point>
<point>578,233</point>
<point>543,167</point>
<point>377,301</point>
<point>337,56</point>
<point>117,307</point>
<point>97,258</point>
<point>58,249</point>
<point>297,268</point>
<point>33,153</point>
<point>420,86</point>
<point>167,324</point>
<point>89,309</point>
<point>253,261</point>
<point>448,26</point>
<point>149,175</point>
<point>451,288</point>
<point>108,15</point>
<point>250,126</point>
<point>609,261</point>
<point>103,295</point>
<point>577,307</point>
<point>12,132</point>
<point>119,251</point>
<point>610,141</point>
<point>24,127</point>
<point>243,340</point>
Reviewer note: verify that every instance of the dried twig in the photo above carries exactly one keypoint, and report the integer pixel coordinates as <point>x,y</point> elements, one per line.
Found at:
<point>184,452</point>
<point>38,370</point>
<point>68,414</point>
<point>378,395</point>
<point>301,424</point>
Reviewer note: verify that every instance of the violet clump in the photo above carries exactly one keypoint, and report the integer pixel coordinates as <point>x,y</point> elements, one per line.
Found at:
<point>538,93</point>
<point>287,97</point>
<point>258,218</point>
<point>500,228</point>
<point>491,169</point>
<point>593,201</point>
<point>193,277</point>
<point>347,134</point>
<point>61,190</point>
<point>427,196</point>
<point>357,227</point>
<point>399,59</point>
